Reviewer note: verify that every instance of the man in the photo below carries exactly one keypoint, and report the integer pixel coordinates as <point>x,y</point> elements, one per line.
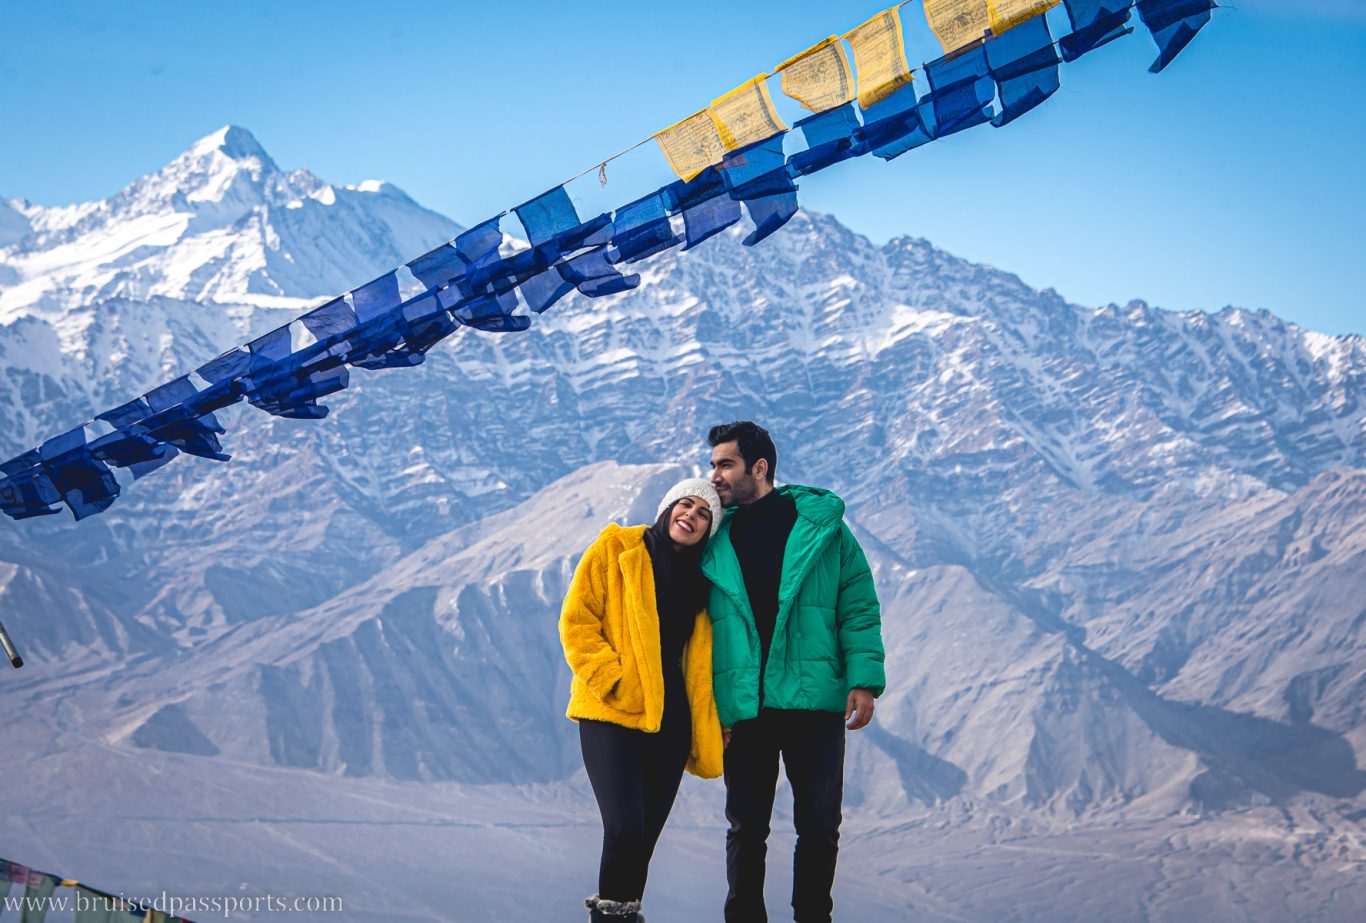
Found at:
<point>797,653</point>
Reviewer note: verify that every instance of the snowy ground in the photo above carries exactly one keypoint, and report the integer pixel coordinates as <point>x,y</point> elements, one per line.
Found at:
<point>142,822</point>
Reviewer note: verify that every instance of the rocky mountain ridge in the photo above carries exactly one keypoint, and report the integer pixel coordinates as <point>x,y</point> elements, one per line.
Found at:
<point>1119,549</point>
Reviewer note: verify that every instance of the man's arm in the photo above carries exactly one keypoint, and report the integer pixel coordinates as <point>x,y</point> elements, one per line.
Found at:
<point>858,617</point>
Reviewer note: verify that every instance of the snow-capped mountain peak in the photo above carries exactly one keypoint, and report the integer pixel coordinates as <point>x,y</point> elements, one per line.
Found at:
<point>220,223</point>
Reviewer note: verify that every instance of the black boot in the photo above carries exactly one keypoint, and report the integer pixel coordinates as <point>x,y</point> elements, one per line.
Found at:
<point>601,910</point>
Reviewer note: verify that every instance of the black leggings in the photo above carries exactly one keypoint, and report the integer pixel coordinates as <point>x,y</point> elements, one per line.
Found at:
<point>635,777</point>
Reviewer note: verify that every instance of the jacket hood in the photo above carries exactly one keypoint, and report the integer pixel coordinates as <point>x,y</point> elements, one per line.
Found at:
<point>820,506</point>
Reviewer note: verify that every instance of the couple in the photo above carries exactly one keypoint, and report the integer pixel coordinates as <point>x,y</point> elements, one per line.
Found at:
<point>719,640</point>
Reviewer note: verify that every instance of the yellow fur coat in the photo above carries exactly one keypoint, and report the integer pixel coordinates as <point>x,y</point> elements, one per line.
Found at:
<point>609,626</point>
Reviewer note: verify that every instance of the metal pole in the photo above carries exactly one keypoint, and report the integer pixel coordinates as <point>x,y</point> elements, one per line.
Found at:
<point>15,660</point>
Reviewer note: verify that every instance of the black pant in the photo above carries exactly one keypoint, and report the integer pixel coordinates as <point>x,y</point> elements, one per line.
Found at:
<point>811,744</point>
<point>635,777</point>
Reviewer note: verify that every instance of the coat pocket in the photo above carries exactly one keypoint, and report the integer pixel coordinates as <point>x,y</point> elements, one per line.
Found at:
<point>628,695</point>
<point>817,636</point>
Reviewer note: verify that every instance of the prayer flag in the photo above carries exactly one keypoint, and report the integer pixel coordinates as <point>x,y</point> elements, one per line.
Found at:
<point>229,365</point>
<point>746,115</point>
<point>86,484</point>
<point>691,145</point>
<point>374,298</point>
<point>958,23</point>
<point>1024,64</point>
<point>547,216</point>
<point>707,209</point>
<point>1094,23</point>
<point>879,57</point>
<point>435,268</point>
<point>36,896</point>
<point>332,319</point>
<point>642,228</point>
<point>893,126</point>
<point>760,169</point>
<point>961,92</point>
<point>819,78</point>
<point>829,139</point>
<point>129,448</point>
<point>1173,24</point>
<point>26,491</point>
<point>93,907</point>
<point>543,290</point>
<point>594,276</point>
<point>769,213</point>
<point>1005,15</point>
<point>708,218</point>
<point>492,314</point>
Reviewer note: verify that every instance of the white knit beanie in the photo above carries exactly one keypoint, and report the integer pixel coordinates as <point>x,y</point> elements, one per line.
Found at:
<point>695,487</point>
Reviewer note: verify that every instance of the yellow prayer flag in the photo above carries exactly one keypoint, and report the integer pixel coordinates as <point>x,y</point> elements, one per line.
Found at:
<point>819,78</point>
<point>1007,14</point>
<point>957,22</point>
<point>746,114</point>
<point>879,57</point>
<point>691,145</point>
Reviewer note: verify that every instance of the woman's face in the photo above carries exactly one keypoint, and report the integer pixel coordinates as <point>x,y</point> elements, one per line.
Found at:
<point>689,521</point>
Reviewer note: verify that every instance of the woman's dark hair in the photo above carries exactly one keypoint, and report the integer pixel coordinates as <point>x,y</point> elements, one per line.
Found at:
<point>753,441</point>
<point>677,569</point>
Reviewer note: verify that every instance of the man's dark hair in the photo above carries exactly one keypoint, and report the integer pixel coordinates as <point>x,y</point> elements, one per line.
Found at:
<point>753,441</point>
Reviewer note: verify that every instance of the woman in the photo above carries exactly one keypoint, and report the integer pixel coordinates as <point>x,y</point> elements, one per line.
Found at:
<point>638,638</point>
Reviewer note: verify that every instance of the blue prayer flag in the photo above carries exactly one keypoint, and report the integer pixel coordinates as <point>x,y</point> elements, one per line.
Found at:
<point>191,433</point>
<point>1024,64</point>
<point>269,348</point>
<point>704,186</point>
<point>375,298</point>
<point>139,453</point>
<point>709,217</point>
<point>174,392</point>
<point>1173,24</point>
<point>1094,23</point>
<point>757,170</point>
<point>757,175</point>
<point>126,414</point>
<point>543,290</point>
<point>86,484</point>
<point>479,241</point>
<point>332,319</point>
<point>231,364</point>
<point>961,92</point>
<point>893,126</point>
<point>175,420</point>
<point>478,247</point>
<point>425,323</point>
<point>769,213</point>
<point>594,276</point>
<point>492,314</point>
<point>216,396</point>
<point>595,232</point>
<point>642,228</point>
<point>829,139</point>
<point>548,216</point>
<point>26,490</point>
<point>436,268</point>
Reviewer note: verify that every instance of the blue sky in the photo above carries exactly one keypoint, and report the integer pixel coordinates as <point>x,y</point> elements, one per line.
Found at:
<point>1232,178</point>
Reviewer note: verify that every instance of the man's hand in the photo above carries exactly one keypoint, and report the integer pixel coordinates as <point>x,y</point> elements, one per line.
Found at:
<point>860,706</point>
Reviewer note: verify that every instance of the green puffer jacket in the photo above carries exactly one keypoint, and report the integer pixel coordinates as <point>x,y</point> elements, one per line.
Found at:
<point>827,638</point>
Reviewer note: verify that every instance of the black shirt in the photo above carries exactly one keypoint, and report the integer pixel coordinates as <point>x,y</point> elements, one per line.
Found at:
<point>758,532</point>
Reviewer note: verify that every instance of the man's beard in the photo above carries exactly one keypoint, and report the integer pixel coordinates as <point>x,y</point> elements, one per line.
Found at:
<point>743,493</point>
